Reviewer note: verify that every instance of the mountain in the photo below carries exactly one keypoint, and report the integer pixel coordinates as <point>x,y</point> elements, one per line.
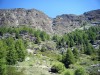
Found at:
<point>93,15</point>
<point>61,24</point>
<point>68,22</point>
<point>31,17</point>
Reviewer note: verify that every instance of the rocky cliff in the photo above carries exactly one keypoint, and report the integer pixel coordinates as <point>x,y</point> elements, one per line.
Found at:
<point>68,22</point>
<point>37,19</point>
<point>31,17</point>
<point>92,16</point>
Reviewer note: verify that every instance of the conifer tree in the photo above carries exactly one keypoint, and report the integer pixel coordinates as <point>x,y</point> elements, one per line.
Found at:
<point>43,36</point>
<point>76,53</point>
<point>38,40</point>
<point>99,53</point>
<point>20,49</point>
<point>80,71</point>
<point>89,49</point>
<point>3,66</point>
<point>11,55</point>
<point>69,58</point>
<point>2,59</point>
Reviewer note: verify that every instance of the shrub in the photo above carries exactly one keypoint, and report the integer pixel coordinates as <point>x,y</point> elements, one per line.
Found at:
<point>80,71</point>
<point>43,49</point>
<point>66,73</point>
<point>14,71</point>
<point>57,67</point>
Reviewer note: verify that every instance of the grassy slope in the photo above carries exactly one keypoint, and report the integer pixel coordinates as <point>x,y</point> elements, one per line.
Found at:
<point>40,63</point>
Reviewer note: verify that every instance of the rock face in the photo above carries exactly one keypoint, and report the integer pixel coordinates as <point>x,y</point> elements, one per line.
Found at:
<point>61,24</point>
<point>93,16</point>
<point>20,16</point>
<point>68,22</point>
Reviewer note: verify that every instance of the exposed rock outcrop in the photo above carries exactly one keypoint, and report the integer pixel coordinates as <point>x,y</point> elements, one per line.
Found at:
<point>61,24</point>
<point>68,22</point>
<point>92,16</point>
<point>31,17</point>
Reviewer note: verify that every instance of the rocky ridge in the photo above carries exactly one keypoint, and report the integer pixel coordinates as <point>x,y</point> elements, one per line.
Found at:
<point>30,17</point>
<point>37,19</point>
<point>68,22</point>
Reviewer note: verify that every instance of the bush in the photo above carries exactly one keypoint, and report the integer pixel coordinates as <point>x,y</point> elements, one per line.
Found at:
<point>57,67</point>
<point>14,71</point>
<point>80,71</point>
<point>43,49</point>
<point>66,73</point>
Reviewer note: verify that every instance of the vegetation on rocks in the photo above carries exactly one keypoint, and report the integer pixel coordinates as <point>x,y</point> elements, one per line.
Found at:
<point>55,54</point>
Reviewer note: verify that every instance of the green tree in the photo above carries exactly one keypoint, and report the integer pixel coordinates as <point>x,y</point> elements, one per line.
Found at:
<point>80,71</point>
<point>37,33</point>
<point>91,35</point>
<point>76,53</point>
<point>11,52</point>
<point>20,49</point>
<point>38,40</point>
<point>56,38</point>
<point>11,55</point>
<point>48,37</point>
<point>71,44</point>
<point>43,49</point>
<point>2,58</point>
<point>58,67</point>
<point>43,36</point>
<point>68,58</point>
<point>82,49</point>
<point>99,53</point>
<point>89,50</point>
<point>9,41</point>
<point>3,66</point>
<point>3,51</point>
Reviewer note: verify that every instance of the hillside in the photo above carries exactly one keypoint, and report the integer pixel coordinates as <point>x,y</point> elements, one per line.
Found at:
<point>30,17</point>
<point>27,51</point>
<point>68,22</point>
<point>36,19</point>
<point>31,43</point>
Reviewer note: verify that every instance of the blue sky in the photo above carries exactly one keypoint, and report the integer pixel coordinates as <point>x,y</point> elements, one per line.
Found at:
<point>53,7</point>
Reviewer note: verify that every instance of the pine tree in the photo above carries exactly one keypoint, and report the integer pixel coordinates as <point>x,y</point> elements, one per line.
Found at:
<point>43,49</point>
<point>43,36</point>
<point>20,49</point>
<point>82,49</point>
<point>99,53</point>
<point>76,53</point>
<point>69,58</point>
<point>9,41</point>
<point>2,59</point>
<point>38,40</point>
<point>11,55</point>
<point>80,71</point>
<point>71,43</point>
<point>3,66</point>
<point>89,49</point>
<point>91,35</point>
